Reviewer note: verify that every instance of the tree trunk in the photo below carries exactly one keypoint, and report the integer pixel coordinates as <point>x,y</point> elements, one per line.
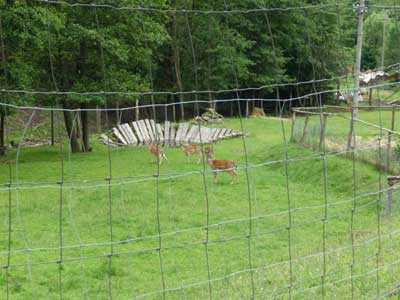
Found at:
<point>85,129</point>
<point>370,97</point>
<point>2,134</point>
<point>177,64</point>
<point>137,110</point>
<point>173,112</point>
<point>337,93</point>
<point>52,126</point>
<point>98,119</point>
<point>71,130</point>
<point>118,113</point>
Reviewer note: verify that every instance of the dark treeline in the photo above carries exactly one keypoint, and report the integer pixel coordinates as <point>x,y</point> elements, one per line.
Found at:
<point>56,47</point>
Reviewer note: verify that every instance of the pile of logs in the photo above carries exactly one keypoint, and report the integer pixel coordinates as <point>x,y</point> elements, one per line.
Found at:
<point>147,132</point>
<point>210,116</point>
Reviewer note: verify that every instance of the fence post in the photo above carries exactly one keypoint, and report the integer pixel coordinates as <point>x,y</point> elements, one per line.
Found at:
<point>304,130</point>
<point>293,124</point>
<point>389,199</point>
<point>350,136</point>
<point>391,182</point>
<point>389,144</point>
<point>323,129</point>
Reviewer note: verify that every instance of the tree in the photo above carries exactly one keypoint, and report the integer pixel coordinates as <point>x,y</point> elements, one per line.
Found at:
<point>19,40</point>
<point>80,49</point>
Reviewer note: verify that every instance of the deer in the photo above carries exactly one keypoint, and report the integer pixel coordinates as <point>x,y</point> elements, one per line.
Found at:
<point>219,165</point>
<point>195,149</point>
<point>191,150</point>
<point>158,152</point>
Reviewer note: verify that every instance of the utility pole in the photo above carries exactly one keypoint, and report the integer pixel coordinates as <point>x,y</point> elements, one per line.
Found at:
<point>361,12</point>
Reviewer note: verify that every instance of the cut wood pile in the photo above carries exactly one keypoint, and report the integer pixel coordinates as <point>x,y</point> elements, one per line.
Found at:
<point>258,113</point>
<point>210,116</point>
<point>147,132</point>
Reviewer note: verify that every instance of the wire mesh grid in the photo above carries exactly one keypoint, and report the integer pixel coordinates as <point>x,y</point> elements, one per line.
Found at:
<point>305,218</point>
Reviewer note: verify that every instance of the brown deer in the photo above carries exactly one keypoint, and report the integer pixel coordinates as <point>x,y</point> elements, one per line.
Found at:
<point>219,165</point>
<point>158,152</point>
<point>192,150</point>
<point>195,149</point>
<point>209,150</point>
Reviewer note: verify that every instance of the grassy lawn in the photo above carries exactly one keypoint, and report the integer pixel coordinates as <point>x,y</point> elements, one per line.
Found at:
<point>195,259</point>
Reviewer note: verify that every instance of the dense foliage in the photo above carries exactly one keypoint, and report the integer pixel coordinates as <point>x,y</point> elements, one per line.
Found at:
<point>86,49</point>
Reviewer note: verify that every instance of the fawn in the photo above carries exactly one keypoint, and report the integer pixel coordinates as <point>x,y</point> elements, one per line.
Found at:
<point>158,152</point>
<point>219,165</point>
<point>195,149</point>
<point>190,150</point>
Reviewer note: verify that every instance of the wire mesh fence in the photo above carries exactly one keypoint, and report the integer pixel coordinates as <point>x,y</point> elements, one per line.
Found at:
<point>288,209</point>
<point>375,132</point>
<point>114,223</point>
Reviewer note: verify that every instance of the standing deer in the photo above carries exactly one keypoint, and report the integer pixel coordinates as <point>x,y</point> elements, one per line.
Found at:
<point>191,150</point>
<point>195,149</point>
<point>158,152</point>
<point>219,165</point>
<point>209,150</point>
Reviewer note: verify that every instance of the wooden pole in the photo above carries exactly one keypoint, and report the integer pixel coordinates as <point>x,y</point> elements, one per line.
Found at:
<point>357,70</point>
<point>304,129</point>
<point>358,56</point>
<point>391,182</point>
<point>389,200</point>
<point>389,144</point>
<point>350,137</point>
<point>323,130</point>
<point>293,125</point>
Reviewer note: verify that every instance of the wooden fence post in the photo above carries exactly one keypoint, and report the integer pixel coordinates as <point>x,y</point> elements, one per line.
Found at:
<point>389,144</point>
<point>391,182</point>
<point>350,136</point>
<point>323,130</point>
<point>293,124</point>
<point>389,200</point>
<point>304,130</point>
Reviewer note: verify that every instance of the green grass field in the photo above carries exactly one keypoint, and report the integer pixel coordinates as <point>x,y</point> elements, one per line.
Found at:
<point>323,248</point>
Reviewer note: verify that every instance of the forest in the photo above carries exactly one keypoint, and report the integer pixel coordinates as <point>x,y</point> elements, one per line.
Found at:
<point>111,53</point>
